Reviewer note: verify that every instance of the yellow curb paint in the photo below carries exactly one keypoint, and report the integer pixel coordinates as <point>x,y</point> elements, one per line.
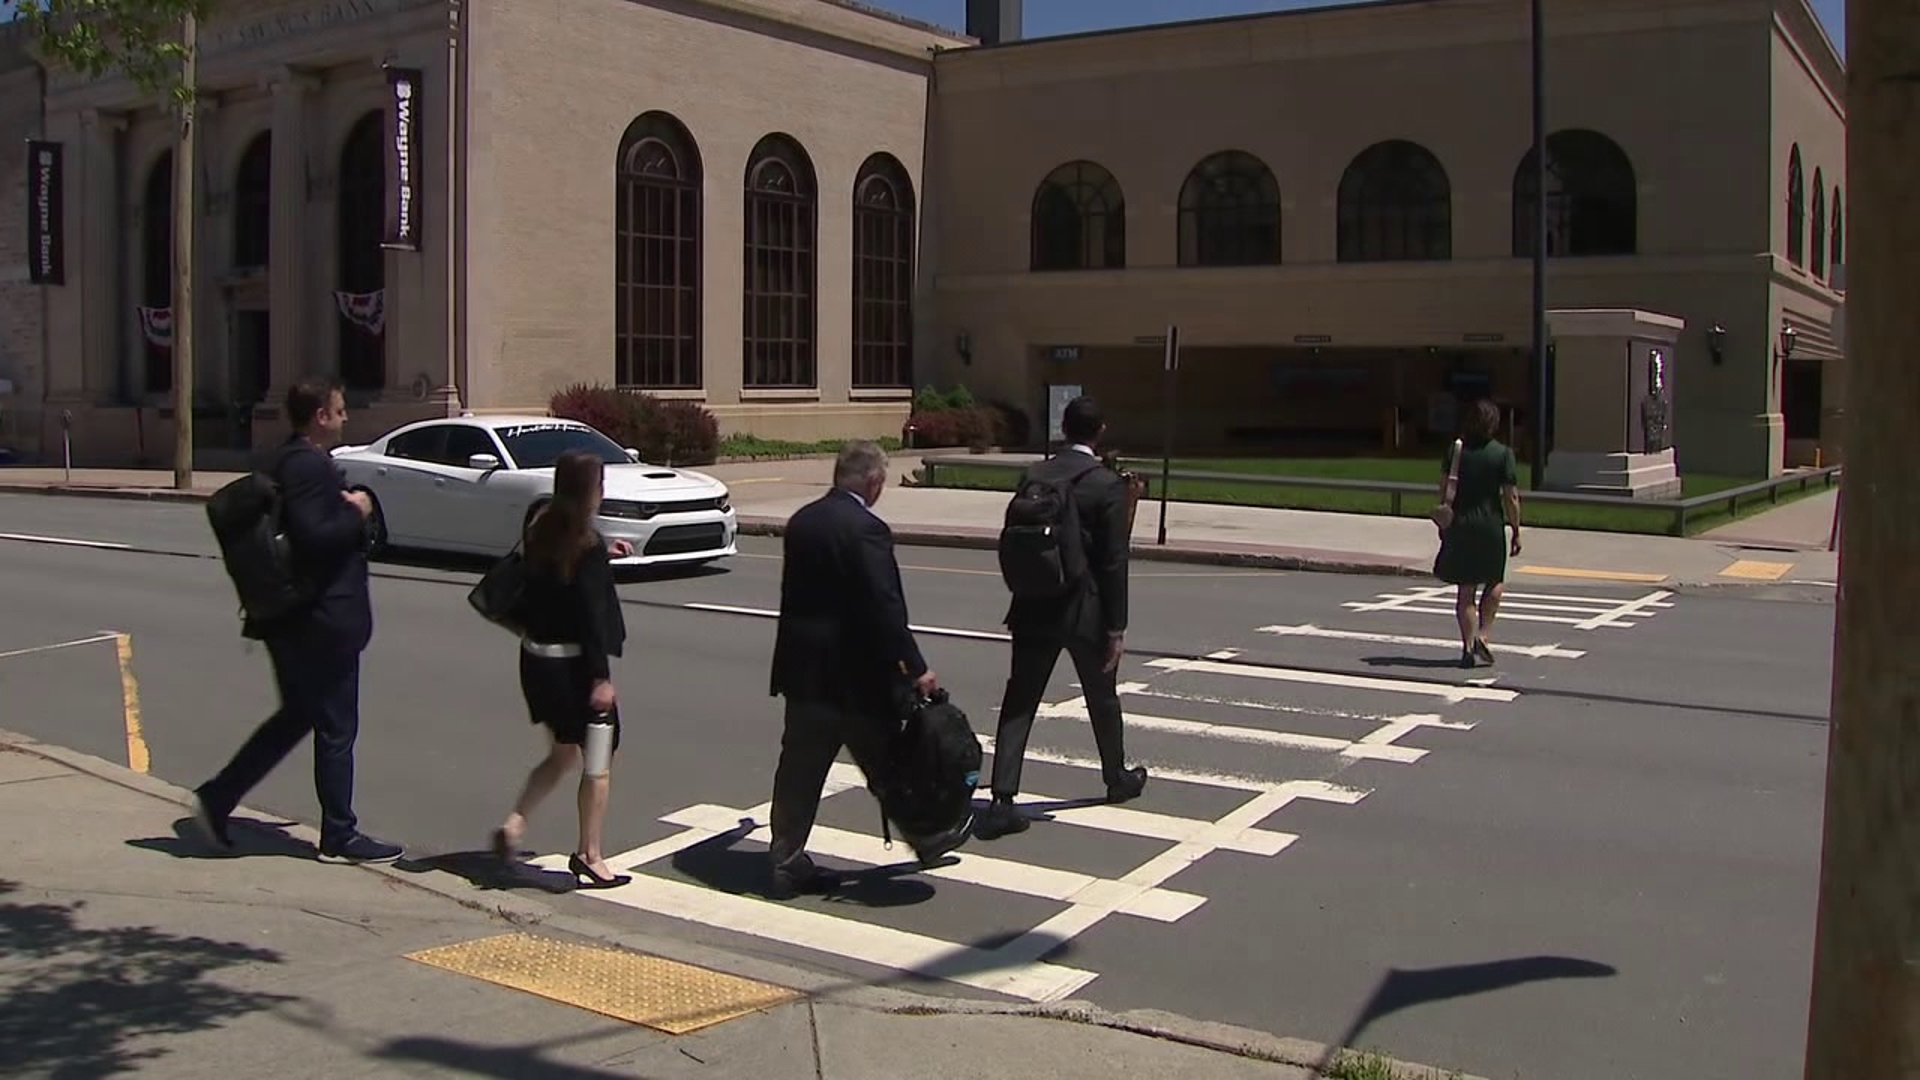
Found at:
<point>1591,575</point>
<point>1755,570</point>
<point>137,759</point>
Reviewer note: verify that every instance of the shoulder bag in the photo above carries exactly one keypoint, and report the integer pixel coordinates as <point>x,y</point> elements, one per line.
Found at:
<point>1443,514</point>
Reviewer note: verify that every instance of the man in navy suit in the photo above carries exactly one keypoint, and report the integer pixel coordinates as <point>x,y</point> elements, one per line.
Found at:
<point>843,657</point>
<point>315,651</point>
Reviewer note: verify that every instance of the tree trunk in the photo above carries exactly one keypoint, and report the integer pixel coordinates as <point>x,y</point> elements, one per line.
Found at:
<point>1865,1016</point>
<point>184,220</point>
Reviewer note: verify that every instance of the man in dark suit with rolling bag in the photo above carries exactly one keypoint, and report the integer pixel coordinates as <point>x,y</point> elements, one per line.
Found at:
<point>1063,554</point>
<point>844,659</point>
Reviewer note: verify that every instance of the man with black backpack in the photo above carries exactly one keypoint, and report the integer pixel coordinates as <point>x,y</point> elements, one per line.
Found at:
<point>294,539</point>
<point>1063,555</point>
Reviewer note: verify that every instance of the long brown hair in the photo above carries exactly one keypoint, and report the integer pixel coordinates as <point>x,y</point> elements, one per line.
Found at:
<point>1482,422</point>
<point>563,529</point>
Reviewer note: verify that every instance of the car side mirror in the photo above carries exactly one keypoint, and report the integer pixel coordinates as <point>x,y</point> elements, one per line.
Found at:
<point>633,455</point>
<point>483,462</point>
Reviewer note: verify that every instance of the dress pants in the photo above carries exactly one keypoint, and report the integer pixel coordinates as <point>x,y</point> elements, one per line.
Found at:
<point>1034,657</point>
<point>319,684</point>
<point>814,733</point>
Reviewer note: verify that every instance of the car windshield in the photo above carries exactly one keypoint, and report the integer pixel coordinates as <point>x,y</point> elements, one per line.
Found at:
<point>538,446</point>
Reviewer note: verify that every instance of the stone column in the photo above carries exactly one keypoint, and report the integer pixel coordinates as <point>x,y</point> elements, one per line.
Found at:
<point>103,314</point>
<point>213,197</point>
<point>289,283</point>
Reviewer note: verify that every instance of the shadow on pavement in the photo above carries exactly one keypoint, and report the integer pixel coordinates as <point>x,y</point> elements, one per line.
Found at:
<point>252,838</point>
<point>483,871</point>
<point>719,865</point>
<point>1430,662</point>
<point>1403,989</point>
<point>513,1062</point>
<point>82,996</point>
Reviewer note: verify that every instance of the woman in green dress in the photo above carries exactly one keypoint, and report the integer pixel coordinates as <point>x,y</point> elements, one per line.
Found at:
<point>1473,547</point>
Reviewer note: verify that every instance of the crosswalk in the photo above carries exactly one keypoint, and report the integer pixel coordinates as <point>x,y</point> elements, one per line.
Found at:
<point>1244,740</point>
<point>1581,612</point>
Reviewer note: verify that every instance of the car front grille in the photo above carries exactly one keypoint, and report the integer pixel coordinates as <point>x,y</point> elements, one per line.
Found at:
<point>685,539</point>
<point>646,511</point>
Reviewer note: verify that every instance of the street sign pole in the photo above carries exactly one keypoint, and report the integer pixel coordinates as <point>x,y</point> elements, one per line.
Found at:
<point>1166,446</point>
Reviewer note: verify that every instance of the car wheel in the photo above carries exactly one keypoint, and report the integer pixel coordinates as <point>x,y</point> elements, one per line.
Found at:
<point>376,528</point>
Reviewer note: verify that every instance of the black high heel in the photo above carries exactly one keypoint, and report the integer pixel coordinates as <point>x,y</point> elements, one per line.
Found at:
<point>502,850</point>
<point>587,879</point>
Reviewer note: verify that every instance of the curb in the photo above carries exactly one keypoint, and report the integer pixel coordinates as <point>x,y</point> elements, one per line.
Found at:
<point>1175,553</point>
<point>525,911</point>
<point>84,491</point>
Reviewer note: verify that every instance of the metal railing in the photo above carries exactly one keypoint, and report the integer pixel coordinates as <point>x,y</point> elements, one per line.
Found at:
<point>1398,491</point>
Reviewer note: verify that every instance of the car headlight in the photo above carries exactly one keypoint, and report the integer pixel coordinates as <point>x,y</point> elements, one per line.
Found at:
<point>635,511</point>
<point>725,502</point>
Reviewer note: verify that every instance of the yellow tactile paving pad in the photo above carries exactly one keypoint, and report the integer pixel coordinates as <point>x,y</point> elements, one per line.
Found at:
<point>661,994</point>
<point>1755,570</point>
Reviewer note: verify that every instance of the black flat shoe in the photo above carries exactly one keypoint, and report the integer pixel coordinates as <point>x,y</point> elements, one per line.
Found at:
<point>501,849</point>
<point>587,879</point>
<point>1129,786</point>
<point>1483,650</point>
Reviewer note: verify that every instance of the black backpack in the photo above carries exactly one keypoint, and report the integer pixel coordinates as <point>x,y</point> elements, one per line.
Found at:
<point>932,768</point>
<point>248,522</point>
<point>1042,551</point>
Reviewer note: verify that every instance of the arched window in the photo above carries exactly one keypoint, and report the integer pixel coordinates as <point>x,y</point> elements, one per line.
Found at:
<point>360,218</point>
<point>882,275</point>
<point>1818,246</point>
<point>156,266</point>
<point>657,257</point>
<point>253,204</point>
<point>781,224</point>
<point>1796,210</point>
<point>1230,213</point>
<point>1591,199</point>
<point>1838,237</point>
<point>1079,220</point>
<point>1396,204</point>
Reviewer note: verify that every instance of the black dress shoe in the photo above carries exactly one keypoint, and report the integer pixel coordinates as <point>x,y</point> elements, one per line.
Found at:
<point>213,824</point>
<point>1001,818</point>
<point>359,848</point>
<point>808,880</point>
<point>930,849</point>
<point>1128,786</point>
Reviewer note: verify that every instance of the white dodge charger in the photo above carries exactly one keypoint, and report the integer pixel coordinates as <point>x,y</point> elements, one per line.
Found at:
<point>470,483</point>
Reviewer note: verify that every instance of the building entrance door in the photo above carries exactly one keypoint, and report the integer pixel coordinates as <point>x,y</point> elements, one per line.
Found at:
<point>250,370</point>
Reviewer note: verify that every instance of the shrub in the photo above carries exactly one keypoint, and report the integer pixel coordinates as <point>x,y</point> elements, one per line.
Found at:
<point>943,428</point>
<point>929,399</point>
<point>1011,426</point>
<point>665,432</point>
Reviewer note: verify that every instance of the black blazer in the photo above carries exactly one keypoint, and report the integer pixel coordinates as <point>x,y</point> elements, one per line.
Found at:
<point>842,637</point>
<point>329,541</point>
<point>583,611</point>
<point>1100,607</point>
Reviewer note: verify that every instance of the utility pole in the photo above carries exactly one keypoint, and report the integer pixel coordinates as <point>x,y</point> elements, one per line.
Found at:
<point>183,231</point>
<point>1541,401</point>
<point>1865,1017</point>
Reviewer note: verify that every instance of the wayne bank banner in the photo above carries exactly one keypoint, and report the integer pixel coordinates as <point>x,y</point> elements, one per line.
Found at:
<point>46,218</point>
<point>403,159</point>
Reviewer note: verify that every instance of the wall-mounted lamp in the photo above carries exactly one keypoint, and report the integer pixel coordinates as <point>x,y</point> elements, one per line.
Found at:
<point>1788,335</point>
<point>963,344</point>
<point>1717,343</point>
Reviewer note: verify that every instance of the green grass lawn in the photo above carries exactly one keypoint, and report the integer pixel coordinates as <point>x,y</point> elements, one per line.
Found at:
<point>753,446</point>
<point>1403,470</point>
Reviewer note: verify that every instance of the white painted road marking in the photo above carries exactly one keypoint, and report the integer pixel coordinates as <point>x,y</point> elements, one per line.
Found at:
<point>1579,612</point>
<point>934,631</point>
<point>1004,875</point>
<point>1537,652</point>
<point>94,640</point>
<point>1375,746</point>
<point>1445,691</point>
<point>65,541</point>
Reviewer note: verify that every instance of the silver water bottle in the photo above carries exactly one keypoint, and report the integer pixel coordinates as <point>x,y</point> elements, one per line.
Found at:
<point>599,745</point>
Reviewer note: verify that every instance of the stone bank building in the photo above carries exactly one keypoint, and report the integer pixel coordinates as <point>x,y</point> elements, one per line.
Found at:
<point>796,211</point>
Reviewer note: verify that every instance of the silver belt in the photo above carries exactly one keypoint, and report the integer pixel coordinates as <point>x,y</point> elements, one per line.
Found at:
<point>549,652</point>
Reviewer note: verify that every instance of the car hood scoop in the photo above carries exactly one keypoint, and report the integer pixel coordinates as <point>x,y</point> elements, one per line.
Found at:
<point>659,476</point>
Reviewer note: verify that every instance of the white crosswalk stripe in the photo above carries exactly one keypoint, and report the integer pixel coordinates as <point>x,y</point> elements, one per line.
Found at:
<point>1016,967</point>
<point>1578,612</point>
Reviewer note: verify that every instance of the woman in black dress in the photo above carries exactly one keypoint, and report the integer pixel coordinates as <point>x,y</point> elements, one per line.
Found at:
<point>1473,547</point>
<point>573,625</point>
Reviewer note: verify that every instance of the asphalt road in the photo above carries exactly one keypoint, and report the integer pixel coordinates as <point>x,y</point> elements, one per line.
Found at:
<point>1602,868</point>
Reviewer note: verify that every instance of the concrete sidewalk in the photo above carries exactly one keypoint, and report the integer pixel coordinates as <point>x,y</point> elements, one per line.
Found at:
<point>1769,548</point>
<point>127,948</point>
